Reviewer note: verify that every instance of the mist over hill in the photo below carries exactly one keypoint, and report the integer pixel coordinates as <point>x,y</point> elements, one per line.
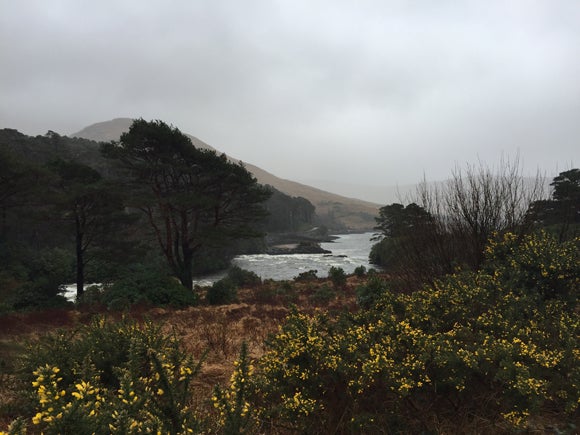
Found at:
<point>349,213</point>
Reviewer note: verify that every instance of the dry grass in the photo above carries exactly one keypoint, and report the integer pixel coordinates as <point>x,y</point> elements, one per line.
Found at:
<point>216,331</point>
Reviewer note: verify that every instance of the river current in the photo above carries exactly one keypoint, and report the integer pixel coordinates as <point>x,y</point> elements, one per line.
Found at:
<point>348,252</point>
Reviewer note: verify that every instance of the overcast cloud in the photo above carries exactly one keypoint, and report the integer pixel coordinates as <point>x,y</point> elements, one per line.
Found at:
<point>368,93</point>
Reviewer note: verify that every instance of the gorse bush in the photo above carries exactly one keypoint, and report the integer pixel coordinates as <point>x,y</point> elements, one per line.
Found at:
<point>237,416</point>
<point>111,378</point>
<point>537,266</point>
<point>491,350</point>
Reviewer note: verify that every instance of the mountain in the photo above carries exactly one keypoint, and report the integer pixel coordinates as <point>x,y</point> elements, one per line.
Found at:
<point>350,213</point>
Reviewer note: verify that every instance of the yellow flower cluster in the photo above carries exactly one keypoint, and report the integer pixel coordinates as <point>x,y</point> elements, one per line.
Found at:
<point>300,405</point>
<point>151,395</point>
<point>510,331</point>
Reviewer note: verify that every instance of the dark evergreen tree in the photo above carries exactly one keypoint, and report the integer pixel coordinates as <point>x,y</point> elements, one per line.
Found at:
<point>18,180</point>
<point>410,244</point>
<point>91,209</point>
<point>560,213</point>
<point>287,213</point>
<point>396,220</point>
<point>191,197</point>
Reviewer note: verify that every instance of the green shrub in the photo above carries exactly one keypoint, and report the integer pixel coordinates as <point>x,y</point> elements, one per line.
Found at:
<point>32,297</point>
<point>241,277</point>
<point>145,285</point>
<point>277,291</point>
<point>309,275</point>
<point>93,295</point>
<point>222,292</point>
<point>360,271</point>
<point>337,276</point>
<point>42,280</point>
<point>111,378</point>
<point>537,265</point>
<point>368,294</point>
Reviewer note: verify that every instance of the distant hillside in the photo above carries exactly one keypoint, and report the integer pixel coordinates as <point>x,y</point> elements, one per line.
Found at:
<point>350,213</point>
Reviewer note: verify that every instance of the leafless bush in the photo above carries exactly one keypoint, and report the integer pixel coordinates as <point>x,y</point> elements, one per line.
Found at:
<point>218,336</point>
<point>478,201</point>
<point>459,216</point>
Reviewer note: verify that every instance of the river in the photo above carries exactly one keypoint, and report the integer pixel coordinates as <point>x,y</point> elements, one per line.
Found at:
<point>348,252</point>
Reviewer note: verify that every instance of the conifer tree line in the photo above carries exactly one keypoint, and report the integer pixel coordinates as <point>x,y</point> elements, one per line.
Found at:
<point>74,210</point>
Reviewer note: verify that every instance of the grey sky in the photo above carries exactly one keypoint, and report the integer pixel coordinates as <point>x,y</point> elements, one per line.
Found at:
<point>369,93</point>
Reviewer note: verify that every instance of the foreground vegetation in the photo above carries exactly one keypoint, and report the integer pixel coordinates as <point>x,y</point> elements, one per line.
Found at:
<point>472,328</point>
<point>492,351</point>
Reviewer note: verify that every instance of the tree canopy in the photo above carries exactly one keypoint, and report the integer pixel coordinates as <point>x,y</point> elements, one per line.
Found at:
<point>560,213</point>
<point>91,209</point>
<point>191,197</point>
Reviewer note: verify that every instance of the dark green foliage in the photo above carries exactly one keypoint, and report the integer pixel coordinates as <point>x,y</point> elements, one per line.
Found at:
<point>146,285</point>
<point>410,245</point>
<point>191,197</point>
<point>241,277</point>
<point>561,213</point>
<point>90,210</point>
<point>53,197</point>
<point>360,271</point>
<point>38,278</point>
<point>208,260</point>
<point>222,292</point>
<point>367,295</point>
<point>337,276</point>
<point>18,180</point>
<point>40,150</point>
<point>61,192</point>
<point>309,275</point>
<point>287,213</point>
<point>396,220</point>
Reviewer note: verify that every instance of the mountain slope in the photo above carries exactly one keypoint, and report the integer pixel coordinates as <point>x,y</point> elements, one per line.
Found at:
<point>352,214</point>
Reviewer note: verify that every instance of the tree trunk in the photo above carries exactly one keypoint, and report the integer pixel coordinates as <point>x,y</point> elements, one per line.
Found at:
<point>80,261</point>
<point>186,275</point>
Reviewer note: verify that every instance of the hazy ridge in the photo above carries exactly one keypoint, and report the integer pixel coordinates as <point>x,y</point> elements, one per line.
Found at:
<point>354,214</point>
